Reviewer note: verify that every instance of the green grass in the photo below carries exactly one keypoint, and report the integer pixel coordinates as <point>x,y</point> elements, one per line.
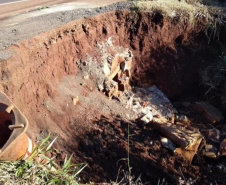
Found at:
<point>23,172</point>
<point>43,7</point>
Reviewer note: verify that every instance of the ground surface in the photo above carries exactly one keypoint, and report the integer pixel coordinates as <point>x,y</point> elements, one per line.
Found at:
<point>42,77</point>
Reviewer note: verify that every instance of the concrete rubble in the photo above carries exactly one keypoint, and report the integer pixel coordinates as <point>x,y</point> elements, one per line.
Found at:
<point>117,74</point>
<point>152,108</point>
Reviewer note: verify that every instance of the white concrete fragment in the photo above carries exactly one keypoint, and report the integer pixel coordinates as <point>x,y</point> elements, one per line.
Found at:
<point>147,118</point>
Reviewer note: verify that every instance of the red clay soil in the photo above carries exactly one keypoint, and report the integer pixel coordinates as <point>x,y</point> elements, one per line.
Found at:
<point>42,78</point>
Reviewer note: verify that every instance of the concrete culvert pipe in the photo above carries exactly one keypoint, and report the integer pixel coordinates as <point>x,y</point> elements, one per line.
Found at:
<point>14,142</point>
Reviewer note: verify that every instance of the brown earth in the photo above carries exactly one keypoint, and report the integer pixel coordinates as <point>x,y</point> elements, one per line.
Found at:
<point>43,77</point>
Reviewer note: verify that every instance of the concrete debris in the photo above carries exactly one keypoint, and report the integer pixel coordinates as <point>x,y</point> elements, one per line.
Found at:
<point>86,77</point>
<point>117,71</point>
<point>106,69</point>
<point>222,150</point>
<point>168,144</point>
<point>147,118</point>
<point>210,151</point>
<point>213,135</point>
<point>210,113</point>
<point>182,136</point>
<point>155,101</point>
<point>110,88</point>
<point>189,152</point>
<point>152,107</point>
<point>186,138</point>
<point>100,87</point>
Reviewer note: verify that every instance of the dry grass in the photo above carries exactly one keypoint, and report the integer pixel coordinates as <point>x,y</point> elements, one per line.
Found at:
<point>173,8</point>
<point>186,10</point>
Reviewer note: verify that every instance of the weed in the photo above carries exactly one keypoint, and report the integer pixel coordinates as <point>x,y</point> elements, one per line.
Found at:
<point>46,171</point>
<point>43,7</point>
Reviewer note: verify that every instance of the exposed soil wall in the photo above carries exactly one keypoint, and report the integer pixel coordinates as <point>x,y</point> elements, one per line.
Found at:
<point>159,46</point>
<point>166,52</point>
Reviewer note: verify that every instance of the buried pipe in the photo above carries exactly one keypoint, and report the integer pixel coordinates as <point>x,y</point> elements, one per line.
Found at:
<point>14,142</point>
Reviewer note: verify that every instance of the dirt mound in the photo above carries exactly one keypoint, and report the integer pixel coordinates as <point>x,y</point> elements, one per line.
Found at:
<point>47,72</point>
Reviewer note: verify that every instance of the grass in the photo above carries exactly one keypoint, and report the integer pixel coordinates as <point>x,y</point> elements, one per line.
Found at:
<point>191,11</point>
<point>174,8</point>
<point>45,172</point>
<point>43,7</point>
<point>214,79</point>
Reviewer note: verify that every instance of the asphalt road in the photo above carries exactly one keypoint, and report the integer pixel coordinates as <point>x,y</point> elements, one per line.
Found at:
<point>12,7</point>
<point>8,1</point>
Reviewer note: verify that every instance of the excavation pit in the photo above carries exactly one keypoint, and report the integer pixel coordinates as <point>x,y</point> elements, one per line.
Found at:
<point>57,80</point>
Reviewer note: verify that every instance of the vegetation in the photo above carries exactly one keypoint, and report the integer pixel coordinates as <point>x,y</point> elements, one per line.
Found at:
<point>46,172</point>
<point>43,7</point>
<point>214,79</point>
<point>185,10</point>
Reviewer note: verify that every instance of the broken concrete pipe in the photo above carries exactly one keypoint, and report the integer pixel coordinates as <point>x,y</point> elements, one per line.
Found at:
<point>14,143</point>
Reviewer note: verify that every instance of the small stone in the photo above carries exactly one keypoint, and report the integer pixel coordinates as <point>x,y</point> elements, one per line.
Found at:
<point>210,151</point>
<point>100,87</point>
<point>106,69</point>
<point>213,135</point>
<point>145,103</point>
<point>182,118</point>
<point>86,77</point>
<point>222,150</point>
<point>147,118</point>
<point>168,144</point>
<point>75,100</point>
<point>210,113</point>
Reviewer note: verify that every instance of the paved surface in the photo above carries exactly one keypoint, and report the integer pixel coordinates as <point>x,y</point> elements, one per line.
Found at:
<point>13,7</point>
<point>8,1</point>
<point>27,25</point>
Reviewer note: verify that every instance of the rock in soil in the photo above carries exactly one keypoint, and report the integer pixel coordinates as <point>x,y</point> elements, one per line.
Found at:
<point>222,150</point>
<point>209,112</point>
<point>210,151</point>
<point>213,135</point>
<point>167,143</point>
